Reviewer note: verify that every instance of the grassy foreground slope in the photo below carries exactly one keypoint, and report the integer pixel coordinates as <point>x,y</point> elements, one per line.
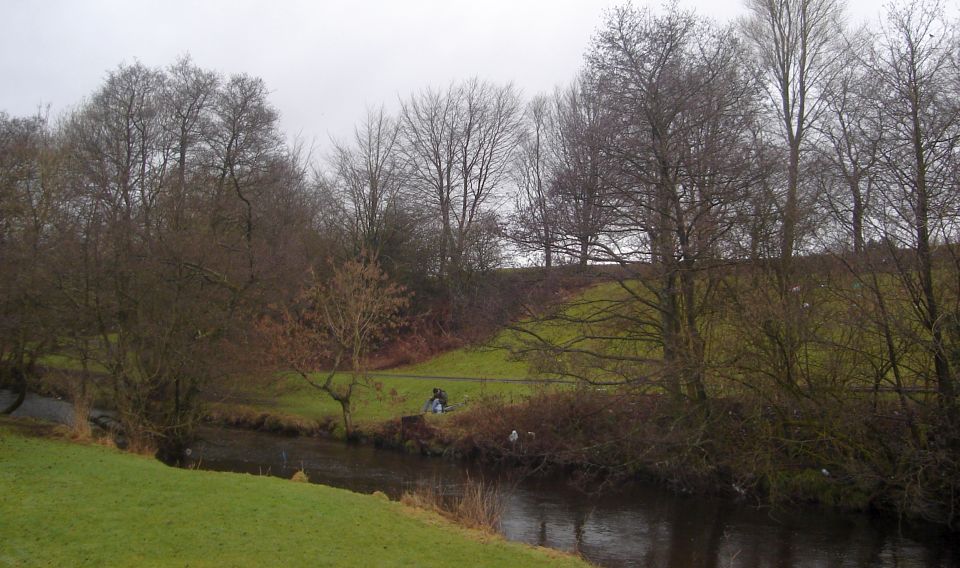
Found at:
<point>66,504</point>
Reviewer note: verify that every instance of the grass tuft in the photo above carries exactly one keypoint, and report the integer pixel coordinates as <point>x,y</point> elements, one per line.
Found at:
<point>300,476</point>
<point>478,506</point>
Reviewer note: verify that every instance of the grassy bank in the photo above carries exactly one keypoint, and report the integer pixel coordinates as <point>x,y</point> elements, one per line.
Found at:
<point>66,504</point>
<point>389,397</point>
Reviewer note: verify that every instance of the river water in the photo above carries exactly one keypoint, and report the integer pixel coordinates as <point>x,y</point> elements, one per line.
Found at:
<point>636,525</point>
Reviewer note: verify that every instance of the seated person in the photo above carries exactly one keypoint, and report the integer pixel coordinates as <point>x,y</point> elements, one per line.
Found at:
<point>437,402</point>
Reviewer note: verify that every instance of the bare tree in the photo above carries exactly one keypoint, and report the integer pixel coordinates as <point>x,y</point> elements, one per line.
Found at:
<point>175,183</point>
<point>458,145</point>
<point>371,180</point>
<point>534,223</point>
<point>430,123</point>
<point>677,155</point>
<point>851,131</point>
<point>30,210</point>
<point>188,93</point>
<point>245,139</point>
<point>486,138</point>
<point>338,322</point>
<point>796,44</point>
<point>915,71</point>
<point>687,106</point>
<point>584,192</point>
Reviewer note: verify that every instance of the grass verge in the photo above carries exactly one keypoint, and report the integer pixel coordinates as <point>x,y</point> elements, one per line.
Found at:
<point>67,504</point>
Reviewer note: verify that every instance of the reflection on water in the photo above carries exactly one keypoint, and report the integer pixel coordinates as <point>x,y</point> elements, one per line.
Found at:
<point>35,406</point>
<point>641,525</point>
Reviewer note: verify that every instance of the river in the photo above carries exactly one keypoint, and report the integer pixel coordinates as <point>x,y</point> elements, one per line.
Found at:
<point>635,525</point>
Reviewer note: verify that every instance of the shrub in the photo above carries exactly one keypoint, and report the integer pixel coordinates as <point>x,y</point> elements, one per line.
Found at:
<point>479,505</point>
<point>300,476</point>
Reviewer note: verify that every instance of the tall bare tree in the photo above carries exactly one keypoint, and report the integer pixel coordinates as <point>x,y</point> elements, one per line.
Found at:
<point>371,179</point>
<point>534,222</point>
<point>584,192</point>
<point>915,70</point>
<point>487,136</point>
<point>850,132</point>
<point>687,108</point>
<point>30,211</point>
<point>796,45</point>
<point>676,152</point>
<point>458,145</point>
<point>430,122</point>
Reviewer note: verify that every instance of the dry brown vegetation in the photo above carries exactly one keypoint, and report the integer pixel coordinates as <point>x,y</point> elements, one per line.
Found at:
<point>827,454</point>
<point>474,504</point>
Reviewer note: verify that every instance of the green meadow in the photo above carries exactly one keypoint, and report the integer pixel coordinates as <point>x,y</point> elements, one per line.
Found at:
<point>386,397</point>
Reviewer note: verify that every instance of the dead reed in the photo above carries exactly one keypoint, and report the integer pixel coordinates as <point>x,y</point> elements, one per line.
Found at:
<point>479,505</point>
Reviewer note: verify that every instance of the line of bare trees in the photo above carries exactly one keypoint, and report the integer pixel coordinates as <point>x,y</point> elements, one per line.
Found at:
<point>146,232</point>
<point>143,232</point>
<point>686,147</point>
<point>421,189</point>
<point>781,196</point>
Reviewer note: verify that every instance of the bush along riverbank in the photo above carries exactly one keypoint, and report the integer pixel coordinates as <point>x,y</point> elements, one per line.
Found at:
<point>70,504</point>
<point>807,453</point>
<point>251,418</point>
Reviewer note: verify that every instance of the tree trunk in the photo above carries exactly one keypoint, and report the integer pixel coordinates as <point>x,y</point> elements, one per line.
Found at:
<point>934,322</point>
<point>695,347</point>
<point>20,381</point>
<point>584,253</point>
<point>857,214</point>
<point>347,418</point>
<point>894,360</point>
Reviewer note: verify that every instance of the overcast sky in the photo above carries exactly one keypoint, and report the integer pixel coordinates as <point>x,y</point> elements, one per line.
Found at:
<point>324,61</point>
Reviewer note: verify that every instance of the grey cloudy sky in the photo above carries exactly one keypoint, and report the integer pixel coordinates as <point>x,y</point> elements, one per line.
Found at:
<point>325,61</point>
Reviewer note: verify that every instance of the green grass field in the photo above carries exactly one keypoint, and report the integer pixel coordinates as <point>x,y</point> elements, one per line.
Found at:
<point>384,398</point>
<point>65,504</point>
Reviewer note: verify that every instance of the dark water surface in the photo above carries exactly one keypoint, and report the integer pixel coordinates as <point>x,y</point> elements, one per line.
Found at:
<point>637,525</point>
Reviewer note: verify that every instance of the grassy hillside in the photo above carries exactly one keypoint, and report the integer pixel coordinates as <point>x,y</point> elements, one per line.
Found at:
<point>66,504</point>
<point>387,397</point>
<point>619,319</point>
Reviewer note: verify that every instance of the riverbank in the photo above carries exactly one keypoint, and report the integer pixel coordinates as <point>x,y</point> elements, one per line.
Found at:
<point>850,453</point>
<point>813,454</point>
<point>730,448</point>
<point>73,504</point>
<point>610,528</point>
